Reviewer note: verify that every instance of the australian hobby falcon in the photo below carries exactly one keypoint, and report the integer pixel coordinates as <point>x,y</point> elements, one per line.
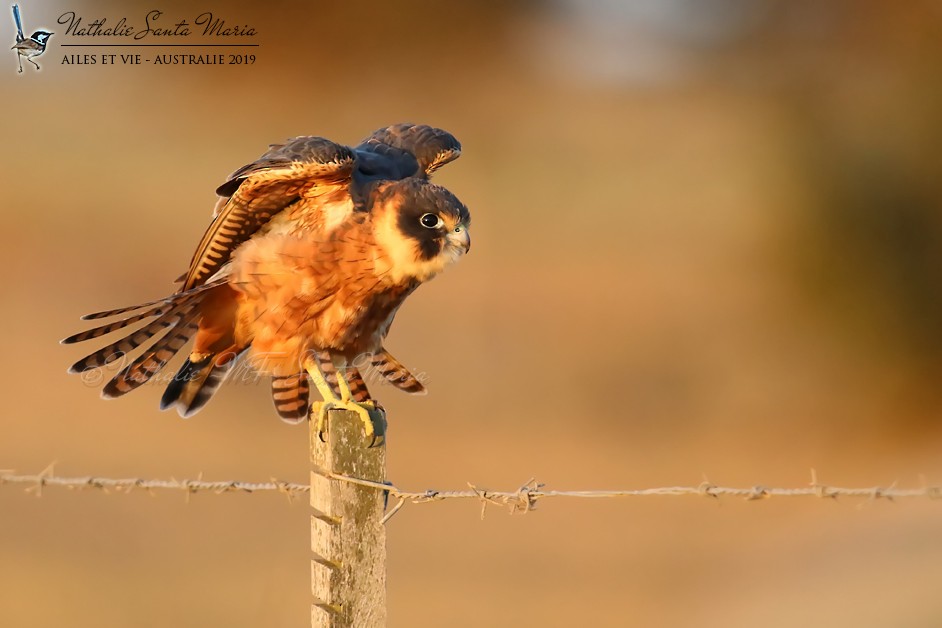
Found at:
<point>312,249</point>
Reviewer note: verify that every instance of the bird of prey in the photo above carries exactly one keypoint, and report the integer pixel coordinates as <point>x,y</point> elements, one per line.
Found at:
<point>312,249</point>
<point>27,48</point>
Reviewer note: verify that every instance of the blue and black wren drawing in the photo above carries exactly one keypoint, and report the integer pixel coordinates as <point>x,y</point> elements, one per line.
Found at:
<point>28,47</point>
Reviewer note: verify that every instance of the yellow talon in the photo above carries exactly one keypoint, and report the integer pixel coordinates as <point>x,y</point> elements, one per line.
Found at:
<point>370,414</point>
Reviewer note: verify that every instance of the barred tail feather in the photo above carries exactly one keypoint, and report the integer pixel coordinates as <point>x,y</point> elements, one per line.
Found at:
<point>291,395</point>
<point>358,390</point>
<point>123,310</point>
<point>195,383</point>
<point>149,364</point>
<point>108,354</point>
<point>397,374</point>
<point>96,332</point>
<point>174,298</point>
<point>328,371</point>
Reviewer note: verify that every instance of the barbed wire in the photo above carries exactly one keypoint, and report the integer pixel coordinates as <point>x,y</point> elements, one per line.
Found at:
<point>522,499</point>
<point>38,481</point>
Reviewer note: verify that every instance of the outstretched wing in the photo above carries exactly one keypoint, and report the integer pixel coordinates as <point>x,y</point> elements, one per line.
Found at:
<point>406,150</point>
<point>253,194</point>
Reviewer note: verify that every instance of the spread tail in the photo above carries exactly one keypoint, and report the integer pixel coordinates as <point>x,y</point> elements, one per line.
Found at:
<point>175,322</point>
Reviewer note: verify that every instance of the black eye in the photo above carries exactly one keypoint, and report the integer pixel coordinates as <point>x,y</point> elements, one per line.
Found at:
<point>430,221</point>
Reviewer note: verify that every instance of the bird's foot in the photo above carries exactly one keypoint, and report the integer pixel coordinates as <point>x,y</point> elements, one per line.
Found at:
<point>370,413</point>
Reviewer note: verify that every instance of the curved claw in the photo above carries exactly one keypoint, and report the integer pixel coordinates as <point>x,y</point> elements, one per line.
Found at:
<point>372,415</point>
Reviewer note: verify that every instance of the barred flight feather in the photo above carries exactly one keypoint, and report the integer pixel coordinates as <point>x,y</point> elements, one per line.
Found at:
<point>149,364</point>
<point>107,355</point>
<point>291,395</point>
<point>396,374</point>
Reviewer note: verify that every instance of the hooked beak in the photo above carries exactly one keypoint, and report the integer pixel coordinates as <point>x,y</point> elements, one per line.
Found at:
<point>460,239</point>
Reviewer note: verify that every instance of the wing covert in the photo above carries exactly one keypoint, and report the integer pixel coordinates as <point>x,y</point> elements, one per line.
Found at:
<point>411,149</point>
<point>253,194</point>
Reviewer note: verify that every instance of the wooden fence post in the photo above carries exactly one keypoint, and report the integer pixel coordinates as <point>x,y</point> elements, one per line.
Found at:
<point>348,539</point>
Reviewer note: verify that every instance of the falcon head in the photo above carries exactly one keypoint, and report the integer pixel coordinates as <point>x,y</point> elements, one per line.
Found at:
<point>422,227</point>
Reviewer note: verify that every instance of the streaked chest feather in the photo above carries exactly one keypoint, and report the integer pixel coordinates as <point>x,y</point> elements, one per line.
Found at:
<point>315,293</point>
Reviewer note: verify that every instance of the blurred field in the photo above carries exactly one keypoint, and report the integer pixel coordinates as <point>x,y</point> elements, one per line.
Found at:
<point>727,212</point>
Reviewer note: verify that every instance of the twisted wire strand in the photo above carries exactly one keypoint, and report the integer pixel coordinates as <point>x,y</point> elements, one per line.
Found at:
<point>522,499</point>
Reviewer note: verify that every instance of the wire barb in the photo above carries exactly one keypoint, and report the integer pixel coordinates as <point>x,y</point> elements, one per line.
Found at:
<point>44,479</point>
<point>523,499</point>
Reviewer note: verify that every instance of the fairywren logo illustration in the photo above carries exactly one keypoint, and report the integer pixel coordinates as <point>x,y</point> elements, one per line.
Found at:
<point>28,47</point>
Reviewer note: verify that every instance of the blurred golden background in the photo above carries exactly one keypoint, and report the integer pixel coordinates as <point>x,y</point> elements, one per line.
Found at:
<point>726,211</point>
